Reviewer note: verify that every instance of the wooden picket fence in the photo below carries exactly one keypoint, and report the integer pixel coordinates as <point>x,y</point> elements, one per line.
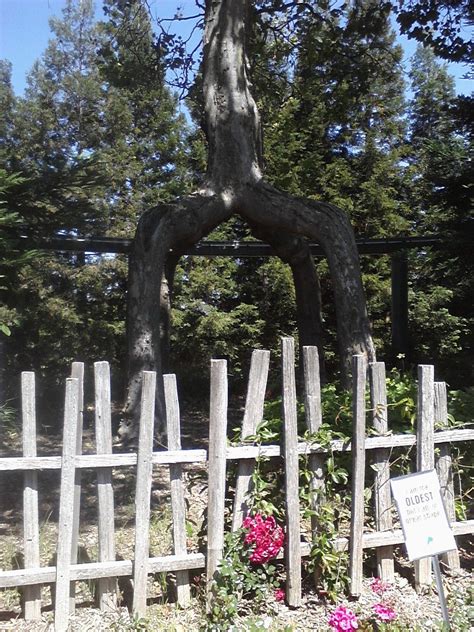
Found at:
<point>432,405</point>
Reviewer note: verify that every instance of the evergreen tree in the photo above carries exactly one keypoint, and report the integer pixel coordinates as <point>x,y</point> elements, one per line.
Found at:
<point>338,134</point>
<point>96,154</point>
<point>58,127</point>
<point>146,153</point>
<point>442,291</point>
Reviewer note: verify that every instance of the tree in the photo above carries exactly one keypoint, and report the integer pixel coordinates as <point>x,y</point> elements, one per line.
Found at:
<point>97,148</point>
<point>438,24</point>
<point>235,185</point>
<point>442,289</point>
<point>338,134</point>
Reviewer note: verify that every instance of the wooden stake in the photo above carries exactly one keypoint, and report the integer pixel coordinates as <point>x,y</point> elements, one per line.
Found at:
<point>178,505</point>
<point>444,467</point>
<point>252,417</point>
<point>382,495</point>
<point>77,371</point>
<point>107,589</point>
<point>217,467</point>
<point>424,452</point>
<point>66,506</point>
<point>290,453</point>
<point>32,594</point>
<point>143,492</point>
<point>313,413</point>
<point>358,474</point>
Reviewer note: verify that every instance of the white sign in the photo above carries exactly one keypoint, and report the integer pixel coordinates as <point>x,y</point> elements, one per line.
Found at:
<point>422,514</point>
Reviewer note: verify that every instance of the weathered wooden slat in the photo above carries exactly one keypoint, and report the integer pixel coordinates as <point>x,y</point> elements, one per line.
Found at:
<point>143,492</point>
<point>170,563</point>
<point>99,570</point>
<point>290,454</point>
<point>359,369</point>
<point>92,461</point>
<point>424,451</point>
<point>382,495</point>
<point>77,371</point>
<point>107,588</point>
<point>178,505</point>
<point>444,467</point>
<point>66,506</point>
<point>253,415</point>
<point>216,468</point>
<point>32,594</point>
<point>313,414</point>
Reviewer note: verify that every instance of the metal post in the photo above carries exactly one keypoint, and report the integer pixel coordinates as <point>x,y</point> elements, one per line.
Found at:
<point>439,586</point>
<point>399,275</point>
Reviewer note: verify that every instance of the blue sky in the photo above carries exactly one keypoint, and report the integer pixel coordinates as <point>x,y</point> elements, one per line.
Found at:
<point>24,34</point>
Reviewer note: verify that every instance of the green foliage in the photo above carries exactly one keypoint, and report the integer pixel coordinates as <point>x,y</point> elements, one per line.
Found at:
<point>442,290</point>
<point>98,139</point>
<point>100,143</point>
<point>219,308</point>
<point>438,24</point>
<point>12,257</point>
<point>238,580</point>
<point>127,624</point>
<point>327,508</point>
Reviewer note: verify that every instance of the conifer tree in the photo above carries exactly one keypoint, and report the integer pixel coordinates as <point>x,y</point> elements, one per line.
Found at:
<point>338,133</point>
<point>442,294</point>
<point>96,152</point>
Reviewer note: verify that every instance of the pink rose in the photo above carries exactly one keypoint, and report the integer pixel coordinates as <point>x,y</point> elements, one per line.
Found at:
<point>266,535</point>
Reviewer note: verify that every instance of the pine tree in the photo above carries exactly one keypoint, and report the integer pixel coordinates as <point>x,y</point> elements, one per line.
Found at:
<point>442,296</point>
<point>96,154</point>
<point>337,133</point>
<point>146,144</point>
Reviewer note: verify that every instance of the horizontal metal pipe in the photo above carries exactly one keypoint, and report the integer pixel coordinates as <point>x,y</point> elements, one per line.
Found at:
<point>115,245</point>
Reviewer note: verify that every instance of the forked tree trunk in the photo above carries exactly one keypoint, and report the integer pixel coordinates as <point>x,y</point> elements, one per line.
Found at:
<point>235,185</point>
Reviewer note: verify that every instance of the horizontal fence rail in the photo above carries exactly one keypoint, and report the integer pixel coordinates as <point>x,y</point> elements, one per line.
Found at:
<point>94,461</point>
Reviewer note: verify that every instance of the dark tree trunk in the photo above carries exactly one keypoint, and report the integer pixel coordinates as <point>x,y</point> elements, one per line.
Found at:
<point>296,253</point>
<point>235,185</point>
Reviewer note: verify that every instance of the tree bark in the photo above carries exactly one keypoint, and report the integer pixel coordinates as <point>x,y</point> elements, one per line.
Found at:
<point>296,253</point>
<point>235,185</point>
<point>329,225</point>
<point>165,227</point>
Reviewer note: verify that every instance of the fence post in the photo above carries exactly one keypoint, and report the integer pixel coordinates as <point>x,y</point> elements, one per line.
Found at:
<point>313,415</point>
<point>383,498</point>
<point>444,467</point>
<point>66,506</point>
<point>77,371</point>
<point>107,587</point>
<point>424,451</point>
<point>178,506</point>
<point>290,455</point>
<point>143,492</point>
<point>32,594</point>
<point>216,468</point>
<point>252,417</point>
<point>358,474</point>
